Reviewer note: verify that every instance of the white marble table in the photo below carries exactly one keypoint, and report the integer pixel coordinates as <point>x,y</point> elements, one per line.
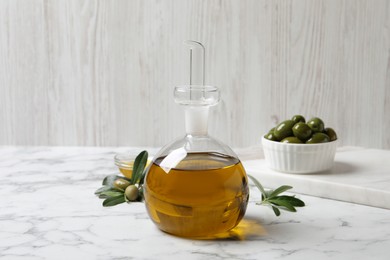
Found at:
<point>48,211</point>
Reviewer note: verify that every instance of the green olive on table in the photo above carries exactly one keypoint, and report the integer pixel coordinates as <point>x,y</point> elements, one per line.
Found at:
<point>302,131</point>
<point>331,133</point>
<point>131,193</point>
<point>318,138</point>
<point>316,124</point>
<point>121,184</point>
<point>291,140</point>
<point>284,129</point>
<point>298,118</point>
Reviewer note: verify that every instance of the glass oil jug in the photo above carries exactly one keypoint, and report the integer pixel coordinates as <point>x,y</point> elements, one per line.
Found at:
<point>196,186</point>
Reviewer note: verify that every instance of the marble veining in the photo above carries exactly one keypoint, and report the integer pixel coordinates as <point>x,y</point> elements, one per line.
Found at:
<point>48,211</point>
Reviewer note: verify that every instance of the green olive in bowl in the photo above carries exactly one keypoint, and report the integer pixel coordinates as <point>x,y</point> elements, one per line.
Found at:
<point>316,124</point>
<point>331,133</point>
<point>270,136</point>
<point>271,130</point>
<point>298,118</point>
<point>295,130</point>
<point>302,131</point>
<point>284,129</point>
<point>318,138</point>
<point>291,140</point>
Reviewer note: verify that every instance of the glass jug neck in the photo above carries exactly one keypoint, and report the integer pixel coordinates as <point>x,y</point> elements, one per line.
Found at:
<point>196,120</point>
<point>196,100</point>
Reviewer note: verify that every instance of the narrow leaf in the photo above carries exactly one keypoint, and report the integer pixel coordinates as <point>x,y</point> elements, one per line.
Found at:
<point>106,188</point>
<point>268,193</point>
<point>292,200</point>
<point>284,208</point>
<point>101,189</point>
<point>259,186</point>
<point>142,179</point>
<point>276,211</point>
<point>282,204</point>
<point>279,190</point>
<point>112,201</point>
<point>110,193</point>
<point>139,166</point>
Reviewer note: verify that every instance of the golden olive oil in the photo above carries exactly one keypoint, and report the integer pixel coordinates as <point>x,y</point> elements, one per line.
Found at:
<point>127,172</point>
<point>126,168</point>
<point>203,195</point>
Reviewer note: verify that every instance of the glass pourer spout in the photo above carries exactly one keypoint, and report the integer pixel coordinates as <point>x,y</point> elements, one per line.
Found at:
<point>197,62</point>
<point>196,97</point>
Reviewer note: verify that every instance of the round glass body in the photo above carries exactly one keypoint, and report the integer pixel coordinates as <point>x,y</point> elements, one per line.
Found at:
<point>196,186</point>
<point>194,192</point>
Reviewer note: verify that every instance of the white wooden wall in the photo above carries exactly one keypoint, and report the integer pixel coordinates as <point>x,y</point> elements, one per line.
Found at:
<point>103,72</point>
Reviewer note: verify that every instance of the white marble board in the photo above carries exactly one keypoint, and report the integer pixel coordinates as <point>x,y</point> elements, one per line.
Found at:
<point>359,175</point>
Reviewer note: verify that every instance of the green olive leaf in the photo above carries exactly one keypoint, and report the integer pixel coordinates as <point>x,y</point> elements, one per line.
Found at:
<point>112,201</point>
<point>258,185</point>
<point>139,167</point>
<point>267,194</point>
<point>277,203</point>
<point>282,204</point>
<point>279,190</point>
<point>101,189</point>
<point>276,211</point>
<point>291,200</point>
<point>142,179</point>
<point>109,194</point>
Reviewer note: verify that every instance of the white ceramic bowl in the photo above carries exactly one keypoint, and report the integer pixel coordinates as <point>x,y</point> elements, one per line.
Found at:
<point>299,158</point>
